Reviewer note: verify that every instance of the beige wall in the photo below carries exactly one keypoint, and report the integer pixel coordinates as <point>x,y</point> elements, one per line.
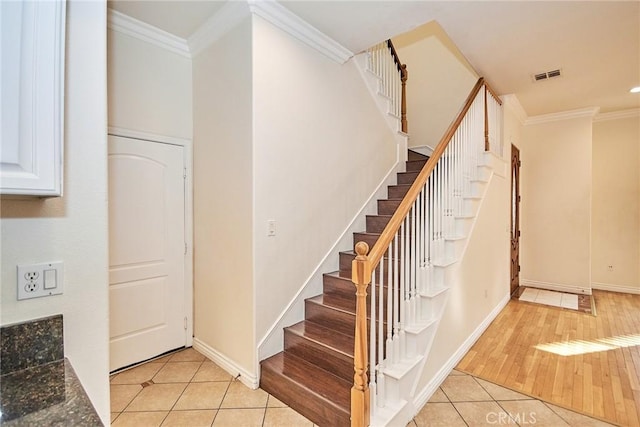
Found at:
<point>318,155</point>
<point>224,316</point>
<point>149,87</point>
<point>72,228</point>
<point>616,205</point>
<point>439,81</point>
<point>555,247</point>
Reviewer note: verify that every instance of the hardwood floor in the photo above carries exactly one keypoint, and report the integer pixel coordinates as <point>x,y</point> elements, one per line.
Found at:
<point>597,370</point>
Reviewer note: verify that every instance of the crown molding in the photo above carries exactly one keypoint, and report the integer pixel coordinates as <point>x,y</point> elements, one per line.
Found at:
<point>589,112</point>
<point>300,29</point>
<point>617,115</point>
<point>142,31</point>
<point>514,105</point>
<point>214,28</point>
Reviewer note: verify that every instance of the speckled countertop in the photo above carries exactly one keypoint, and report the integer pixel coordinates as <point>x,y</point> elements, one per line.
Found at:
<point>38,386</point>
<point>46,395</point>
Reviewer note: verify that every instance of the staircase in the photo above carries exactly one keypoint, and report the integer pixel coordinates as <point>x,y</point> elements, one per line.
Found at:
<point>314,373</point>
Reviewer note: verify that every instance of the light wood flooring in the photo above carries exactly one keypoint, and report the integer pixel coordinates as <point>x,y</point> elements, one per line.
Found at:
<point>602,378</point>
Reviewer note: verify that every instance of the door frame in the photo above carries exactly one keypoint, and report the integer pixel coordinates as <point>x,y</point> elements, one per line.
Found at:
<point>515,191</point>
<point>187,145</point>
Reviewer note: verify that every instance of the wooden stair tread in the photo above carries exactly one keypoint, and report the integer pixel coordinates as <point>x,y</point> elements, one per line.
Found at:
<point>327,337</point>
<point>324,397</point>
<point>314,373</point>
<point>319,300</point>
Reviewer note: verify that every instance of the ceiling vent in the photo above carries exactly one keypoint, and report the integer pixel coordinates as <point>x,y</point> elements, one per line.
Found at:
<point>546,75</point>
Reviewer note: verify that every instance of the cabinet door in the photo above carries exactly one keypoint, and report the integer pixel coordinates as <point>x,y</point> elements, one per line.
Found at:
<point>32,77</point>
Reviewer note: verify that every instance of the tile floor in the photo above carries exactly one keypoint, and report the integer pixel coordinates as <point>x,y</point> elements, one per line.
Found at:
<point>187,389</point>
<point>552,298</point>
<point>463,400</point>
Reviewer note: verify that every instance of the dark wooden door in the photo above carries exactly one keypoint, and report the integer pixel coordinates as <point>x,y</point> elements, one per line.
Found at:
<point>515,218</point>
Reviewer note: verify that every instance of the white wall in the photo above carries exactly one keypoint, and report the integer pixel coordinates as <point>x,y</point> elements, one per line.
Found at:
<point>616,204</point>
<point>72,228</point>
<point>223,198</point>
<point>150,88</point>
<point>555,246</point>
<point>321,147</point>
<point>438,83</point>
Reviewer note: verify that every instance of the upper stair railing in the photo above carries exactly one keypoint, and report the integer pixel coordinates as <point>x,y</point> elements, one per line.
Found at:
<point>401,265</point>
<point>385,63</point>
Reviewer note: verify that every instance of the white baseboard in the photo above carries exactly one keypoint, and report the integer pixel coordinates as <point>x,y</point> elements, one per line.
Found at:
<point>422,397</point>
<point>626,289</point>
<point>247,378</point>
<point>560,287</point>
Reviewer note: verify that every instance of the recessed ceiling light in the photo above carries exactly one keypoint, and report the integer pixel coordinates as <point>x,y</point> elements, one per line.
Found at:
<point>635,89</point>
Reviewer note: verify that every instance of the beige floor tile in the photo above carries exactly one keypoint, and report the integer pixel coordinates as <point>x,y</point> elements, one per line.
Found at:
<point>456,372</point>
<point>163,359</point>
<point>483,414</point>
<point>532,412</point>
<point>438,396</point>
<point>439,415</point>
<point>156,397</point>
<point>240,396</point>
<point>239,417</point>
<point>187,355</point>
<point>138,419</point>
<point>202,418</point>
<point>137,375</point>
<point>114,415</point>
<point>501,393</point>
<point>275,403</point>
<point>576,419</point>
<point>412,424</point>
<point>202,396</point>
<point>209,371</point>
<point>284,417</point>
<point>122,395</point>
<point>460,388</point>
<point>177,372</point>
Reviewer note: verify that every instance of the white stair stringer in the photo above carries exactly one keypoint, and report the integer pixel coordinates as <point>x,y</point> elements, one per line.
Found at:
<point>401,379</point>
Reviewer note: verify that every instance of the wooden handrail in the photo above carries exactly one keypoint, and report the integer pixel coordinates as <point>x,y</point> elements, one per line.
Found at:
<point>492,92</point>
<point>393,226</point>
<point>394,53</point>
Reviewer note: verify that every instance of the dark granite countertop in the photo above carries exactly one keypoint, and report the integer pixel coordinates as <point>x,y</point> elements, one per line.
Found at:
<point>45,395</point>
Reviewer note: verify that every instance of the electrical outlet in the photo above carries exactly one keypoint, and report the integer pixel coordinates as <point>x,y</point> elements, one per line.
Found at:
<point>271,227</point>
<point>610,268</point>
<point>40,280</point>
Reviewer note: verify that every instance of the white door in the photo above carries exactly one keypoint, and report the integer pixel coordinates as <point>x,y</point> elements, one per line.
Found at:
<point>146,250</point>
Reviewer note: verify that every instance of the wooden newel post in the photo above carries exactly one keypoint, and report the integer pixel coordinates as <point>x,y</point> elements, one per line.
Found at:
<point>361,277</point>
<point>486,121</point>
<point>404,75</point>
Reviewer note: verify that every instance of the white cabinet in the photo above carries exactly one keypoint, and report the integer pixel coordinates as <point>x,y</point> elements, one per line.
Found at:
<point>32,92</point>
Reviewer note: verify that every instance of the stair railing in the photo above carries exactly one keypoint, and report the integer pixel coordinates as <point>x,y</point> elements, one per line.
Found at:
<point>385,63</point>
<point>401,266</point>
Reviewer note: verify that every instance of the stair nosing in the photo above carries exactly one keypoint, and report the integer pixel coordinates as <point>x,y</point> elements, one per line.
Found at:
<point>293,330</point>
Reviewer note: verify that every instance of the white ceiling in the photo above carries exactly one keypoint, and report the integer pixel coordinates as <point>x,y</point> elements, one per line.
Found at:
<point>595,43</point>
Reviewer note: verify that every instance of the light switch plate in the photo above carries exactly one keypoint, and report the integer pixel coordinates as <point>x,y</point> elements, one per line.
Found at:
<point>40,280</point>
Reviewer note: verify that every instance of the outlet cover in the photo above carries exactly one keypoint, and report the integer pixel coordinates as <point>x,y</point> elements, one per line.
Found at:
<point>40,280</point>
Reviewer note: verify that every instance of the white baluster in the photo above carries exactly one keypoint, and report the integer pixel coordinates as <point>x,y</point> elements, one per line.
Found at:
<point>391,300</point>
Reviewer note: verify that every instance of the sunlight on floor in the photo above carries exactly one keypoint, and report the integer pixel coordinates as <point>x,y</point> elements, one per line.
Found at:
<point>576,347</point>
